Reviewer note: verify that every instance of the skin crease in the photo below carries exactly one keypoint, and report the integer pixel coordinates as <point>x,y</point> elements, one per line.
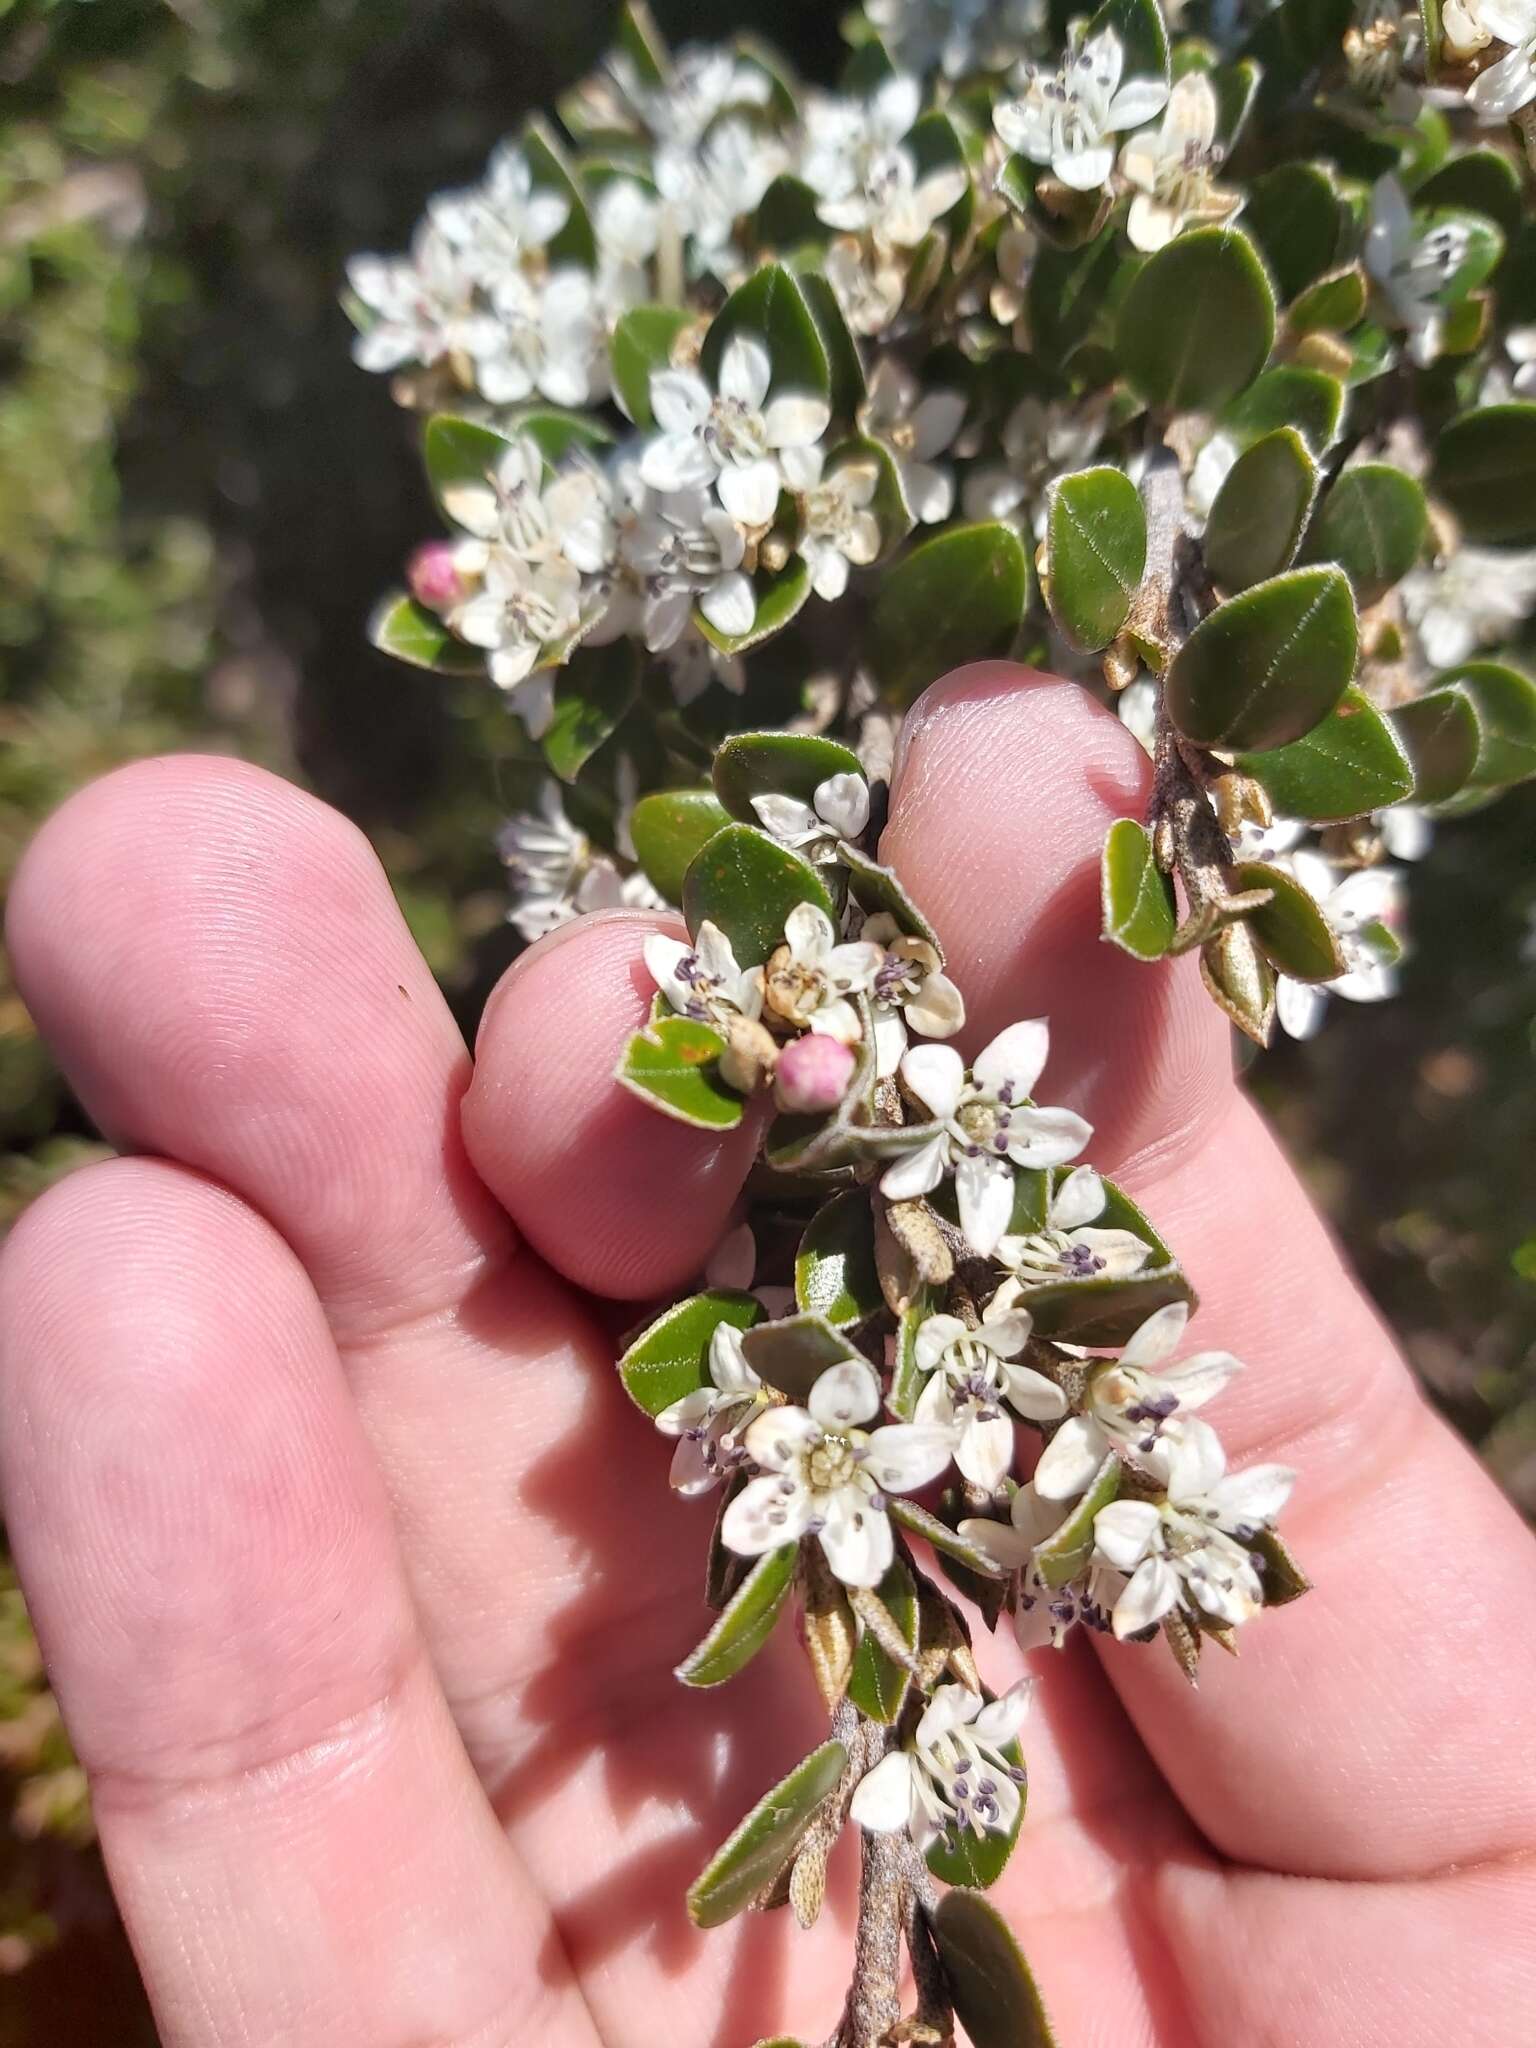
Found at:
<point>359,1580</point>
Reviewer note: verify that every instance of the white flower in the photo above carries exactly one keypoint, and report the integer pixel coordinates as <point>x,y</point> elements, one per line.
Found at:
<point>704,980</point>
<point>973,1376</point>
<point>916,426</point>
<point>626,220</point>
<point>809,979</point>
<point>1474,598</point>
<point>838,530</point>
<point>494,225</point>
<point>556,873</point>
<point>825,1476</point>
<point>1412,265</point>
<point>955,1776</point>
<point>1209,473</point>
<point>1040,439</point>
<point>522,608</point>
<point>710,1422</point>
<point>1136,708</point>
<point>693,663</point>
<point>551,337</point>
<point>1463,32</point>
<point>1068,1247</point>
<point>869,284</point>
<point>987,1126</point>
<point>1191,1548</point>
<point>838,810</point>
<point>709,187</point>
<point>1043,1614</point>
<point>865,180</point>
<point>910,992</point>
<point>730,438</point>
<point>1173,170</point>
<point>703,80</point>
<point>1129,1402</point>
<point>1407,831</point>
<point>1064,121</point>
<point>1253,841</point>
<point>423,306</point>
<point>1504,88</point>
<point>687,550</point>
<point>1359,909</point>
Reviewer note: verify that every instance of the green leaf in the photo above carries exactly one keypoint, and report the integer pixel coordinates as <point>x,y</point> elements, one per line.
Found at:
<point>1197,322</point>
<point>673,1065</point>
<point>995,1996</point>
<point>843,360</point>
<point>793,1352</point>
<point>1290,395</point>
<point>670,1357</point>
<point>555,433</point>
<point>595,690</point>
<point>772,309</point>
<point>747,884</point>
<point>979,1860</point>
<point>1267,666</point>
<point>786,218</point>
<point>750,764</point>
<point>1293,215</point>
<point>1101,1311</point>
<point>1351,763</point>
<point>461,456</point>
<point>759,1849</point>
<point>1067,291</point>
<point>956,598</point>
<point>1098,551</point>
<point>1292,932</point>
<point>875,888</point>
<point>410,632</point>
<point>575,242</point>
<point>918,1522</point>
<point>637,35</point>
<point>1139,914</point>
<point>835,1272</point>
<point>1260,511</point>
<point>1373,523</point>
<point>1505,703</point>
<point>1334,303</point>
<point>1479,180</point>
<point>1143,38</point>
<point>1065,1553</point>
<point>747,1622</point>
<point>1485,469</point>
<point>642,344</point>
<point>1441,737</point>
<point>906,1380</point>
<point>876,1685</point>
<point>776,598</point>
<point>668,828</point>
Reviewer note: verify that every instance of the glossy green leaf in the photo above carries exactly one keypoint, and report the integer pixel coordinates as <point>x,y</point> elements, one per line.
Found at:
<point>772,309</point>
<point>747,884</point>
<point>1067,292</point>
<point>747,1622</point>
<point>460,457</point>
<point>1292,932</point>
<point>557,434</point>
<point>642,344</point>
<point>1139,913</point>
<point>906,1381</point>
<point>793,1352</point>
<point>1260,512</point>
<point>1485,469</point>
<point>1143,37</point>
<point>594,691</point>
<point>777,598</point>
<point>410,632</point>
<point>1293,215</point>
<point>1290,395</point>
<point>918,1522</point>
<point>636,34</point>
<point>574,242</point>
<point>1098,551</point>
<point>1441,737</point>
<point>1479,181</point>
<point>1373,523</point>
<point>835,1272</point>
<point>1197,322</point>
<point>786,219</point>
<point>750,764</point>
<point>1100,1311</point>
<point>875,888</point>
<point>1350,763</point>
<point>670,1357</point>
<point>978,1861</point>
<point>1505,703</point>
<point>1065,1553</point>
<point>668,828</point>
<point>995,1996</point>
<point>1267,666</point>
<point>956,598</point>
<point>1333,303</point>
<point>673,1065</point>
<point>876,1685</point>
<point>759,1849</point>
<point>845,366</point>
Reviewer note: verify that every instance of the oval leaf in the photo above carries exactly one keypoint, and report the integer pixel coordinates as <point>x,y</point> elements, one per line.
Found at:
<point>410,632</point>
<point>956,598</point>
<point>593,692</point>
<point>1353,762</point>
<point>1139,914</point>
<point>1290,395</point>
<point>1373,523</point>
<point>1292,932</point>
<point>1485,469</point>
<point>747,884</point>
<point>751,764</point>
<point>1098,551</point>
<point>1197,322</point>
<point>878,1686</point>
<point>753,1857</point>
<point>747,1622</point>
<point>1260,511</point>
<point>876,888</point>
<point>995,1996</point>
<point>1441,737</point>
<point>793,1352</point>
<point>835,1272</point>
<point>672,1064</point>
<point>1293,215</point>
<point>1065,1553</point>
<point>1505,703</point>
<point>1268,666</point>
<point>668,828</point>
<point>771,308</point>
<point>642,344</point>
<point>670,1357</point>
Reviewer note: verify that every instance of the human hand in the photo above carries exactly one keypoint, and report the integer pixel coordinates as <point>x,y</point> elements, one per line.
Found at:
<point>353,1566</point>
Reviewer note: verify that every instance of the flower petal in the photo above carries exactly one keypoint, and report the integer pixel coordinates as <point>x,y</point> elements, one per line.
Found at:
<point>749,491</point>
<point>1078,1200</point>
<point>935,1074</point>
<point>1001,1719</point>
<point>1200,1377</point>
<point>1158,1337</point>
<point>679,400</point>
<point>934,1337</point>
<point>903,1456</point>
<point>1015,1059</point>
<point>917,1172</point>
<point>795,419</point>
<point>938,1008</point>
<point>1071,1458</point>
<point>1033,1394</point>
<point>882,1800</point>
<point>857,1540</point>
<point>762,1516</point>
<point>745,370</point>
<point>1046,1137</point>
<point>1149,1596</point>
<point>786,817</point>
<point>730,605</point>
<point>984,1449</point>
<point>1008,1547</point>
<point>1250,1501</point>
<point>777,1439</point>
<point>1124,1532</point>
<point>845,1395</point>
<point>984,1187</point>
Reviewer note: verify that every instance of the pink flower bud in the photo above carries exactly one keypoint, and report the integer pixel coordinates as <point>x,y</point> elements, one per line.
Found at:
<point>813,1074</point>
<point>434,576</point>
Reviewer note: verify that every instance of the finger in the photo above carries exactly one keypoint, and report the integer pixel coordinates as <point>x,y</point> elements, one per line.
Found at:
<point>290,1822</point>
<point>622,1200</point>
<point>1297,1756</point>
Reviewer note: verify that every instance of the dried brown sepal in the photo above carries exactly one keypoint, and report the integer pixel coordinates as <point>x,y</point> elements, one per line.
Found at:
<point>1284,1579</point>
<point>807,1881</point>
<point>1240,981</point>
<point>916,1231</point>
<point>827,1627</point>
<point>1183,1638</point>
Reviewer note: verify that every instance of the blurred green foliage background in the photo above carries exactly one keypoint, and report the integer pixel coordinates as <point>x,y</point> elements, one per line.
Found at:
<point>199,500</point>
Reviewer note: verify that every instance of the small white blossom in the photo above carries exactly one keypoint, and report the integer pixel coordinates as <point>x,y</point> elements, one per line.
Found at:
<point>973,1379</point>
<point>1407,831</point>
<point>1173,171</point>
<point>1463,31</point>
<point>809,979</point>
<point>987,1127</point>
<point>955,1777</point>
<point>1191,1548</point>
<point>1504,88</point>
<point>704,980</point>
<point>917,426</point>
<point>1040,440</point>
<point>729,439</point>
<point>1358,909</point>
<point>687,550</point>
<point>910,992</point>
<point>824,1475</point>
<point>869,285</point>
<point>1129,1402</point>
<point>839,532</point>
<point>710,186</point>
<point>1043,1614</point>
<point>1475,597</point>
<point>838,810</point>
<point>523,608</point>
<point>710,1423</point>
<point>556,873</point>
<point>1136,708</point>
<point>495,225</point>
<point>423,307</point>
<point>693,663</point>
<point>1065,121</point>
<point>1412,265</point>
<point>865,179</point>
<point>1211,468</point>
<point>1253,841</point>
<point>1069,1247</point>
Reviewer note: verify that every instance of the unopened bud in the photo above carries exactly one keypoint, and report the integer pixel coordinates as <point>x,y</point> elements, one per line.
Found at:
<point>434,576</point>
<point>813,1075</point>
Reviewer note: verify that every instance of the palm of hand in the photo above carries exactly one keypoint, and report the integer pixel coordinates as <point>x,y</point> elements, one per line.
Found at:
<point>358,1580</point>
